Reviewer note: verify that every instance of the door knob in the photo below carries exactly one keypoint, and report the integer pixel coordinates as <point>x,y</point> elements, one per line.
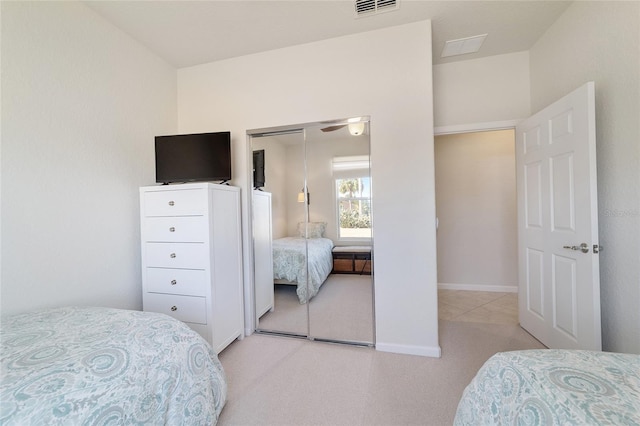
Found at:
<point>582,247</point>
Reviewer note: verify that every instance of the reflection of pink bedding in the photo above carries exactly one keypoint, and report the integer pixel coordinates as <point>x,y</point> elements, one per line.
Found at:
<point>289,263</point>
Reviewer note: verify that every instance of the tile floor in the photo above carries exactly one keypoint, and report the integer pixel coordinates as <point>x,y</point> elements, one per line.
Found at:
<point>478,306</point>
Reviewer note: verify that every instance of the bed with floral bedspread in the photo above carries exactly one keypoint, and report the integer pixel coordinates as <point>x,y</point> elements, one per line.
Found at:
<point>81,365</point>
<point>290,264</point>
<point>553,387</point>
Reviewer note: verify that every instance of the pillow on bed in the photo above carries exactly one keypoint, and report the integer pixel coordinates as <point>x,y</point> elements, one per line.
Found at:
<point>314,229</point>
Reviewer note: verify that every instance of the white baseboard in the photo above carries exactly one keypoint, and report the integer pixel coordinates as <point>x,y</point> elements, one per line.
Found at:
<point>430,351</point>
<point>479,287</point>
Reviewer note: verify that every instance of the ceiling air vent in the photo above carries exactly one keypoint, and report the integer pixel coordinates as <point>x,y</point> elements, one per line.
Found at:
<point>372,7</point>
<point>462,46</point>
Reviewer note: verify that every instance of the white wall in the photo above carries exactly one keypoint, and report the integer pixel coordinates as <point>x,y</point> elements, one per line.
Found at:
<point>320,181</point>
<point>81,103</point>
<point>275,182</point>
<point>363,74</point>
<point>320,154</point>
<point>477,212</point>
<point>296,211</point>
<point>495,88</point>
<point>600,41</point>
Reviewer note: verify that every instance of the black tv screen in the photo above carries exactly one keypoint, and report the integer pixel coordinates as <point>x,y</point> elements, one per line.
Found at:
<point>258,169</point>
<point>195,157</point>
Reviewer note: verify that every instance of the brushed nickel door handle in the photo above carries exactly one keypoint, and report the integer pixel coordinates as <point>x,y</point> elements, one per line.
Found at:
<point>582,247</point>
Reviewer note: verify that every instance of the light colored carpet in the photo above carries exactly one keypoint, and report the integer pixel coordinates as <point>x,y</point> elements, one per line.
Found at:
<point>342,310</point>
<point>284,381</point>
<point>288,314</point>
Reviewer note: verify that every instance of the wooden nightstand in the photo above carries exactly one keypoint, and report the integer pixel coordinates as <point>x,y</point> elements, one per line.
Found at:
<point>352,260</point>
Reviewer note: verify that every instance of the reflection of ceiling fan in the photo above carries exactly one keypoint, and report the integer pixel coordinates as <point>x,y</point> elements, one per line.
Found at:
<point>356,129</point>
<point>332,128</point>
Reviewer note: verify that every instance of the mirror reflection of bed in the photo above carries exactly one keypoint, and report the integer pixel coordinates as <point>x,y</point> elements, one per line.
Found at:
<point>312,232</point>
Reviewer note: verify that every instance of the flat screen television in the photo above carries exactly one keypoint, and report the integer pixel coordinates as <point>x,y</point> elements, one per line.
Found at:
<point>258,169</point>
<point>195,157</point>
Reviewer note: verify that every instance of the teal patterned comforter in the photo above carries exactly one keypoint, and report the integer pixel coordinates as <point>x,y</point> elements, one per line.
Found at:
<point>553,387</point>
<point>95,366</point>
<point>289,263</point>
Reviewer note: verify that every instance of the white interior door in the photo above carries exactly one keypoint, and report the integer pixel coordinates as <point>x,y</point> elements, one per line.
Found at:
<point>559,285</point>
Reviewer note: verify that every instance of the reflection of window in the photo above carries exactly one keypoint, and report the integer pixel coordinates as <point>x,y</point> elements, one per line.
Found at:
<point>354,207</point>
<point>353,196</point>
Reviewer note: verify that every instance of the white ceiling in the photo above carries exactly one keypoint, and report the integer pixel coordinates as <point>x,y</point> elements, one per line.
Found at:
<point>187,33</point>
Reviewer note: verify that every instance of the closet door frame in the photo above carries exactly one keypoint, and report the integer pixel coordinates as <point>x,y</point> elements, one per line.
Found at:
<point>250,291</point>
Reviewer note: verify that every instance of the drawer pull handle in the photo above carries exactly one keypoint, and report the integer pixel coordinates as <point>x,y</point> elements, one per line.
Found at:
<point>174,308</point>
<point>171,203</point>
<point>172,229</point>
<point>174,282</point>
<point>172,255</point>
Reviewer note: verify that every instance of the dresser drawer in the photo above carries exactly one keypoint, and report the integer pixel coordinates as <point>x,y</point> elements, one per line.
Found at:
<point>175,229</point>
<point>183,308</point>
<point>185,202</point>
<point>188,282</point>
<point>176,255</point>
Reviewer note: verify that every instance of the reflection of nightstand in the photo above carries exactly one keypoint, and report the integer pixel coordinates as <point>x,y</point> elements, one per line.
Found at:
<point>352,260</point>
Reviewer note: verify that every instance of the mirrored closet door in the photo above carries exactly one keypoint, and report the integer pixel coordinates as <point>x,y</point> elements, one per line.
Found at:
<point>312,234</point>
<point>279,176</point>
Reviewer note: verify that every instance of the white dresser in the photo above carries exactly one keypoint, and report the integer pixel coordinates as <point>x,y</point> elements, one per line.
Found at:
<point>192,257</point>
<point>262,252</point>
